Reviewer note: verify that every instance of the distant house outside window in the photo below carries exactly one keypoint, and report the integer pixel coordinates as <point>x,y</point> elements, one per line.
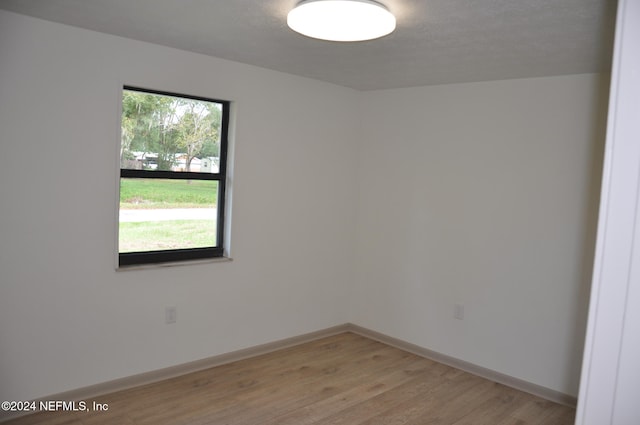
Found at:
<point>173,157</point>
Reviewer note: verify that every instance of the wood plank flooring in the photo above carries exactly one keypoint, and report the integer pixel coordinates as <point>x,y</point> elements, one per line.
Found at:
<point>345,379</point>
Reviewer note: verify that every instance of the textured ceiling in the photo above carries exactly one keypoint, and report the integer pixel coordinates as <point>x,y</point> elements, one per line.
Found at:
<point>436,41</point>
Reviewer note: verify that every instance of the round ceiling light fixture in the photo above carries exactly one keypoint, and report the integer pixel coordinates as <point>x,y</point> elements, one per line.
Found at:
<point>341,20</point>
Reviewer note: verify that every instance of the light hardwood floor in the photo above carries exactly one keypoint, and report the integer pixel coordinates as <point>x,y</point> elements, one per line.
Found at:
<point>344,379</point>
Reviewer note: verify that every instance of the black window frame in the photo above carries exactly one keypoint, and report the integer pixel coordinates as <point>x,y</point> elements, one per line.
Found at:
<point>184,254</point>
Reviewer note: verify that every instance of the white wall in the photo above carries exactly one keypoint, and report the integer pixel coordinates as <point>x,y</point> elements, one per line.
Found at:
<point>611,372</point>
<point>483,195</point>
<point>67,318</point>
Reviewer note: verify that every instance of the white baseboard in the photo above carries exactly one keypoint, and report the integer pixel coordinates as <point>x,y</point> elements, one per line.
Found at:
<point>492,375</point>
<point>132,381</point>
<point>103,388</point>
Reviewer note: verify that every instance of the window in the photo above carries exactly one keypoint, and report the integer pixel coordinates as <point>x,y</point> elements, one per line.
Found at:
<point>173,157</point>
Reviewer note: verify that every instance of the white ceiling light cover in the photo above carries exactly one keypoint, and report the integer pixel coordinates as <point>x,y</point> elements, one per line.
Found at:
<point>341,20</point>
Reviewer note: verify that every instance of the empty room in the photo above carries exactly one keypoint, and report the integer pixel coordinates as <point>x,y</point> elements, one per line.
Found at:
<point>211,213</point>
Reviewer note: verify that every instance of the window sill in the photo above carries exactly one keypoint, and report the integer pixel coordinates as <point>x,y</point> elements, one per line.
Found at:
<point>174,264</point>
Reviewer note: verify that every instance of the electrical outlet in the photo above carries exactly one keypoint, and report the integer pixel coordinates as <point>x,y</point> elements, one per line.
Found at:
<point>170,315</point>
<point>458,311</point>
